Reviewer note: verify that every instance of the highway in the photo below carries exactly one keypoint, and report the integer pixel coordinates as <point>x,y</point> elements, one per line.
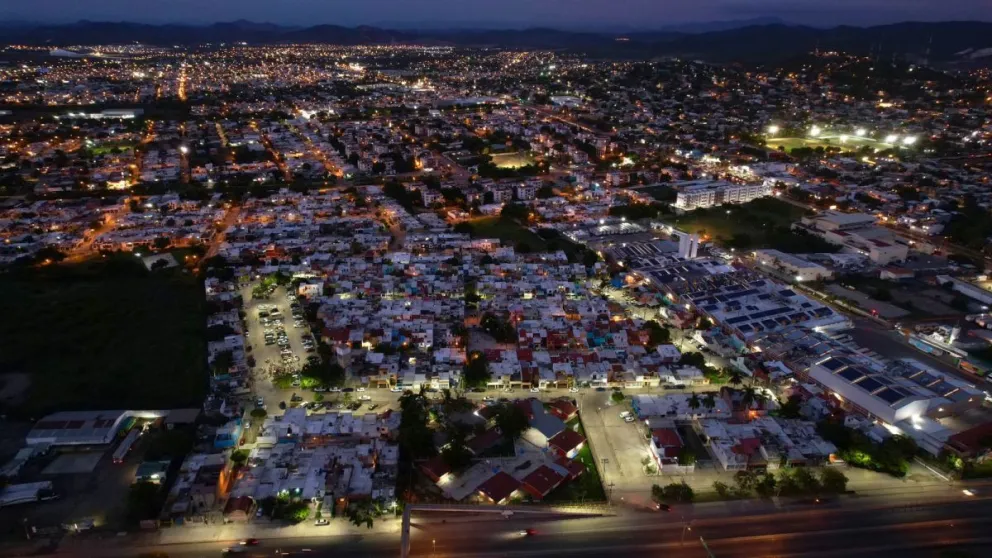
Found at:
<point>806,531</point>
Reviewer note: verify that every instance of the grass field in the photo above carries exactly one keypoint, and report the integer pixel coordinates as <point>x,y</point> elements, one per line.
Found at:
<point>512,160</point>
<point>104,335</point>
<point>762,223</point>
<point>852,143</point>
<point>508,231</point>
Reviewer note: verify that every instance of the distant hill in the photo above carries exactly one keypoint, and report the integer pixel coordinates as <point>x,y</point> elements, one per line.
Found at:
<point>717,41</point>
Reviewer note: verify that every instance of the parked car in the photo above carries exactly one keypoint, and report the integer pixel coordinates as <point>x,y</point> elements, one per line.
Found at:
<point>360,389</point>
<point>321,522</point>
<point>573,390</point>
<point>535,390</point>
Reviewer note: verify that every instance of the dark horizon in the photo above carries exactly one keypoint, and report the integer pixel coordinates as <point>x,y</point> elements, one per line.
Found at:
<point>510,14</point>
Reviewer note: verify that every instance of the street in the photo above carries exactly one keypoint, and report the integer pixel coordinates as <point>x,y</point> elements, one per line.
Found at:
<point>830,530</point>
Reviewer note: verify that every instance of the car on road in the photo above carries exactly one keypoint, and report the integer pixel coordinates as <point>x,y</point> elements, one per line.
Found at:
<point>321,522</point>
<point>259,402</point>
<point>319,389</point>
<point>373,406</point>
<point>489,399</point>
<point>396,390</point>
<point>664,507</point>
<point>335,390</point>
<point>535,390</point>
<point>601,388</point>
<point>573,390</point>
<point>249,542</point>
<point>365,398</point>
<point>360,389</point>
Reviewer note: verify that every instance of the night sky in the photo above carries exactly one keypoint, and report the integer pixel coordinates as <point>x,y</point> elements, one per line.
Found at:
<point>641,14</point>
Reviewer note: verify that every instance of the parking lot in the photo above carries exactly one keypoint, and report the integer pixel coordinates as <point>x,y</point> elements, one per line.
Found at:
<point>618,446</point>
<point>280,342</point>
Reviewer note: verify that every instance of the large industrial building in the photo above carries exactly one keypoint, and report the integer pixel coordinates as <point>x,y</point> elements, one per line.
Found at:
<point>857,233</point>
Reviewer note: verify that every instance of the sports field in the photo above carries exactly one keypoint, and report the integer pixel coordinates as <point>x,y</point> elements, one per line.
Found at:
<point>849,143</point>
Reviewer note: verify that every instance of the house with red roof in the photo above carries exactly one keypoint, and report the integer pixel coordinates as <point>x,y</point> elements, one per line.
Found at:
<point>499,488</point>
<point>563,409</point>
<point>666,446</point>
<point>435,468</point>
<point>541,481</point>
<point>567,443</point>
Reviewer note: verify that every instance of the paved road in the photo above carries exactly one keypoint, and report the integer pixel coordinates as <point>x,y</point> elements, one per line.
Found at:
<point>808,531</point>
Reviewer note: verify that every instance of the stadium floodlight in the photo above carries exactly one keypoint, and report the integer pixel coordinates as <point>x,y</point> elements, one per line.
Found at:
<point>773,129</point>
<point>860,132</point>
<point>909,140</point>
<point>815,131</point>
<point>891,138</point>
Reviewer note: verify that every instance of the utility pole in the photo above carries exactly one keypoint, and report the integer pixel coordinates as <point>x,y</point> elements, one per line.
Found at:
<point>709,553</point>
<point>686,526</point>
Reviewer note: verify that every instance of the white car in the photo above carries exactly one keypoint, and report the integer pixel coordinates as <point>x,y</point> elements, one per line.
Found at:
<point>629,419</point>
<point>535,390</point>
<point>360,389</point>
<point>573,390</point>
<point>625,414</point>
<point>365,398</point>
<point>335,390</point>
<point>489,399</point>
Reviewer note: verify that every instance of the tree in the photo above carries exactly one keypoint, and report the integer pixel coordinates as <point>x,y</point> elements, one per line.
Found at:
<point>455,453</point>
<point>791,408</point>
<point>511,421</point>
<point>745,481</point>
<point>674,492</point>
<point>807,481</point>
<point>695,402</point>
<point>617,396</point>
<point>514,211</point>
<point>258,413</point>
<point>709,401</point>
<point>364,513</point>
<point>693,359</point>
<point>657,335</point>
<point>476,371</point>
<point>736,377</point>
<point>765,487</point>
<point>722,489</point>
<point>687,457</point>
<point>833,481</point>
<point>239,457</point>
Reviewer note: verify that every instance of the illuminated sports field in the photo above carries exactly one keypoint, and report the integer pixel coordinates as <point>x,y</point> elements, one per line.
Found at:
<point>851,143</point>
<point>512,160</point>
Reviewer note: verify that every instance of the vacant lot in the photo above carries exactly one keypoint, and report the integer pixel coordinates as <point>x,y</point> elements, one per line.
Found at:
<point>762,223</point>
<point>104,335</point>
<point>508,231</point>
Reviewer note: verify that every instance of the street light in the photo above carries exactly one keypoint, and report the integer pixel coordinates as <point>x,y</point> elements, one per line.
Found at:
<point>773,129</point>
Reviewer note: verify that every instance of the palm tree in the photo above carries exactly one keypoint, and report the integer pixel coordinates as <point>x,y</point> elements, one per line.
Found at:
<point>709,401</point>
<point>736,377</point>
<point>694,402</point>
